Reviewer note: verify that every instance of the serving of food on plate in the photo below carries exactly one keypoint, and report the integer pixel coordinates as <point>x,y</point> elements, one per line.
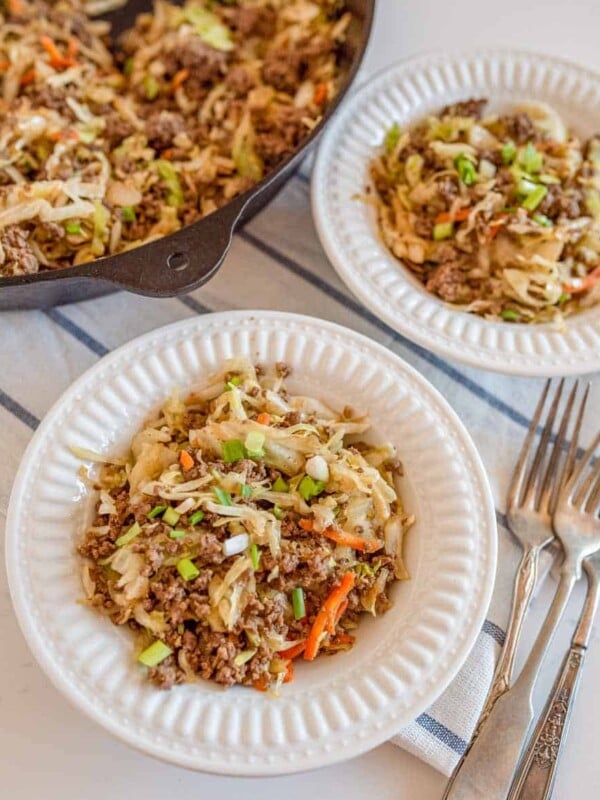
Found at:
<point>248,527</point>
<point>107,145</point>
<point>496,214</point>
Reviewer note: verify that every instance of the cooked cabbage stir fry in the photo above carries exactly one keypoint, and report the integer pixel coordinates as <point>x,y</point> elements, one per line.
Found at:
<point>496,215</point>
<point>247,527</point>
<point>105,146</point>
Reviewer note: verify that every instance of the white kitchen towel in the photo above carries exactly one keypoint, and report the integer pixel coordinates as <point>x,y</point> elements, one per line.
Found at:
<point>276,262</point>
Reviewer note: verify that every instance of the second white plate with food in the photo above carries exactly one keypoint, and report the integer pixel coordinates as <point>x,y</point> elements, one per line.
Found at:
<point>343,194</point>
<point>336,706</point>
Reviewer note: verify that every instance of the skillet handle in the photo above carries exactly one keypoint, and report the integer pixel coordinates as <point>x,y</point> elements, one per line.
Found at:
<point>178,263</point>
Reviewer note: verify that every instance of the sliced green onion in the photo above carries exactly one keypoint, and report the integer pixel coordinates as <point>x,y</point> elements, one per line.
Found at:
<point>130,535</point>
<point>196,517</point>
<point>73,227</point>
<point>508,152</point>
<point>128,66</point>
<point>233,450</point>
<point>151,87</point>
<point>298,603</point>
<point>533,199</point>
<point>156,511</point>
<point>542,220</point>
<point>510,315</point>
<point>278,512</point>
<point>310,488</point>
<point>254,556</point>
<point>187,569</point>
<point>466,169</point>
<point>176,534</point>
<point>222,496</point>
<point>526,187</point>
<point>171,517</point>
<point>254,444</point>
<point>443,230</point>
<point>392,137</point>
<point>170,178</point>
<point>245,491</point>
<point>531,159</point>
<point>243,657</point>
<point>280,485</point>
<point>563,298</point>
<point>154,654</point>
<point>128,214</point>
<point>233,382</point>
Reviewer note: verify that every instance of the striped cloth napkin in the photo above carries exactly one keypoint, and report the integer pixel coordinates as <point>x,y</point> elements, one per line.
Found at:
<point>275,263</point>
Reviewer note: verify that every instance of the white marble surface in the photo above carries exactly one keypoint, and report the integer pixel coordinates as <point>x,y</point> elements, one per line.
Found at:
<point>49,750</point>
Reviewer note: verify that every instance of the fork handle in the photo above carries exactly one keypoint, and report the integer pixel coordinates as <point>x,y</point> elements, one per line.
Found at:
<point>535,779</point>
<point>492,760</point>
<point>524,585</point>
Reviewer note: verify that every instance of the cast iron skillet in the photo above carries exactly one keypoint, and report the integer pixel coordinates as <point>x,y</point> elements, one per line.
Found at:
<point>186,259</point>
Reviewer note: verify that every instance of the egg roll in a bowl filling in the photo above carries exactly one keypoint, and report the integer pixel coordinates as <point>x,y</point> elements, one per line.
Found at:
<point>107,144</point>
<point>495,214</point>
<point>245,530</point>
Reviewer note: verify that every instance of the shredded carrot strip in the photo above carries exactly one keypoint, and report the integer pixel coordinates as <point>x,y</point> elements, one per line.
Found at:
<point>496,226</point>
<point>4,65</point>
<point>180,78</point>
<point>351,540</point>
<point>306,524</point>
<point>338,615</point>
<point>185,459</point>
<point>344,638</point>
<point>60,136</point>
<point>73,47</point>
<point>27,78</point>
<point>293,651</point>
<point>320,95</point>
<point>57,60</point>
<point>289,673</point>
<point>459,216</point>
<point>263,418</point>
<point>327,613</point>
<point>15,6</point>
<point>586,284</point>
<point>168,154</point>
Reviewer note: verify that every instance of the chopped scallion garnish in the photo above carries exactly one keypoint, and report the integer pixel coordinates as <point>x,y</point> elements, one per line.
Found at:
<point>298,603</point>
<point>177,534</point>
<point>535,197</point>
<point>563,298</point>
<point>222,496</point>
<point>151,87</point>
<point>278,512</point>
<point>466,169</point>
<point>196,517</point>
<point>233,450</point>
<point>187,569</point>
<point>73,228</point>
<point>245,491</point>
<point>233,382</point>
<point>542,220</point>
<point>128,66</point>
<point>509,315</point>
<point>154,654</point>
<point>392,137</point>
<point>128,214</point>
<point>254,444</point>
<point>171,517</point>
<point>280,485</point>
<point>156,511</point>
<point>130,535</point>
<point>254,556</point>
<point>243,657</point>
<point>508,152</point>
<point>531,159</point>
<point>309,488</point>
<point>443,230</point>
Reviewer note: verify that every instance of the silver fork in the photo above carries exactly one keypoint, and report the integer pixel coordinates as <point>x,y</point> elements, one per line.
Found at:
<point>578,514</point>
<point>487,767</point>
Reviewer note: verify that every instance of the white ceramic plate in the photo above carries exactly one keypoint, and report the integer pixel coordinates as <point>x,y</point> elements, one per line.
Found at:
<point>348,228</point>
<point>336,707</point>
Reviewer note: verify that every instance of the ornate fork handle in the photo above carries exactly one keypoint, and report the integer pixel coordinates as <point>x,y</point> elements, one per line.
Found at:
<point>524,585</point>
<point>535,778</point>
